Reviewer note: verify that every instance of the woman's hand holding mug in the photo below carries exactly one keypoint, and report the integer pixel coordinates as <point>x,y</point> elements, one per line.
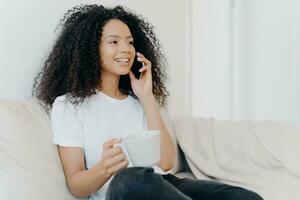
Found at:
<point>113,157</point>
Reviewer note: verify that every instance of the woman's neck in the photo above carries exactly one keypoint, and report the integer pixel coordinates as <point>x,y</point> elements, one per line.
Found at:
<point>110,85</point>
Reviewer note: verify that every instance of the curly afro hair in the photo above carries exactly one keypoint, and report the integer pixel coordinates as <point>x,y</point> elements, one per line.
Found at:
<point>73,66</point>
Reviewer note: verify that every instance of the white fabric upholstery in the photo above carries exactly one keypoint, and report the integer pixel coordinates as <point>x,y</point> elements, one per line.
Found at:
<point>178,161</point>
<point>30,168</point>
<point>185,175</point>
<point>258,155</point>
<point>262,156</point>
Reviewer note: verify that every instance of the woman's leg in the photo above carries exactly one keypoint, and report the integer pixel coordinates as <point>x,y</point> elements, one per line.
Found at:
<point>142,183</point>
<point>210,190</point>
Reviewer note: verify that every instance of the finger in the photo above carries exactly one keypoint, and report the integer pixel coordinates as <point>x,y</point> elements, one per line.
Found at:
<point>142,58</point>
<point>117,167</point>
<point>112,152</point>
<point>144,61</point>
<point>115,160</point>
<point>144,68</point>
<point>110,143</point>
<point>138,54</point>
<point>131,76</point>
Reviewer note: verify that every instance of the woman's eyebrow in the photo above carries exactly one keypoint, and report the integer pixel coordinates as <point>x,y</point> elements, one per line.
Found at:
<point>116,36</point>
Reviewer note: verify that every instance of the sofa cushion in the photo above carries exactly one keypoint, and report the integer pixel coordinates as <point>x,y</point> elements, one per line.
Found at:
<point>257,155</point>
<point>185,175</point>
<point>178,165</point>
<point>30,167</point>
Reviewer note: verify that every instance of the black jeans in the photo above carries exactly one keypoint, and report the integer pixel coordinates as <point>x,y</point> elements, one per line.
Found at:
<point>138,183</point>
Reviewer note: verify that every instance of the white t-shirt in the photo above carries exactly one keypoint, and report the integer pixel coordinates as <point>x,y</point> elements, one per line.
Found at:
<point>90,124</point>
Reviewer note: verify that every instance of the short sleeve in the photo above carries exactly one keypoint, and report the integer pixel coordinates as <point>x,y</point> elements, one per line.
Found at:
<point>65,124</point>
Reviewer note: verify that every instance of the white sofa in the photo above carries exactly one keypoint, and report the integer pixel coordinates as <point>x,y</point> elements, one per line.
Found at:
<point>259,155</point>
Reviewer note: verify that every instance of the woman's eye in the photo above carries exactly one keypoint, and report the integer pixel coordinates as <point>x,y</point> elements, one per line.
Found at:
<point>131,42</point>
<point>113,42</point>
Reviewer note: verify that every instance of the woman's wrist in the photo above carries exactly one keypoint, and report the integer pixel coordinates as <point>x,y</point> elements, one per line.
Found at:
<point>100,171</point>
<point>148,99</point>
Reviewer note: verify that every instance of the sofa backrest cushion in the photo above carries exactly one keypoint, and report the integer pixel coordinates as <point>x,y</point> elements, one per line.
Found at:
<point>259,155</point>
<point>30,166</point>
<point>178,165</point>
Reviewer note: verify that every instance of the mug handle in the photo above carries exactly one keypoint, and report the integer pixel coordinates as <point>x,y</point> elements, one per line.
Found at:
<point>122,146</point>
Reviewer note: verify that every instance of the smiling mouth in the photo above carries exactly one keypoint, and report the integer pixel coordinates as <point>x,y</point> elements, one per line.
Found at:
<point>122,60</point>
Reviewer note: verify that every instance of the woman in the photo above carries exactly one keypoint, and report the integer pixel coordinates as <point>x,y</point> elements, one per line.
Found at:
<point>104,80</point>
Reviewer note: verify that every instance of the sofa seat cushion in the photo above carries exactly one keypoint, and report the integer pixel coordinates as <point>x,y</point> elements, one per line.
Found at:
<point>185,175</point>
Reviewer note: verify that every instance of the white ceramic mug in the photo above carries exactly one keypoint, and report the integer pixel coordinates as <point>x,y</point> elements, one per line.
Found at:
<point>142,150</point>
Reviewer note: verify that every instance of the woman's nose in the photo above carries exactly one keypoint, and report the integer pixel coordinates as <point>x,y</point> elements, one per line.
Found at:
<point>124,47</point>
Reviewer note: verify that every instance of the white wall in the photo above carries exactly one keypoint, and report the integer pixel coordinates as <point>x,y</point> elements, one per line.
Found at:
<point>246,55</point>
<point>27,33</point>
<point>229,59</point>
<point>268,60</point>
<point>274,60</point>
<point>210,55</point>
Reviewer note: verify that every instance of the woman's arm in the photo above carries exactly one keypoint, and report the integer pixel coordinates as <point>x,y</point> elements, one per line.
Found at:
<point>82,182</point>
<point>142,88</point>
<point>155,122</point>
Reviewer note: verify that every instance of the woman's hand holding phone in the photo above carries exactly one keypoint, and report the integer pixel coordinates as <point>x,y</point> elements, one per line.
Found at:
<point>142,87</point>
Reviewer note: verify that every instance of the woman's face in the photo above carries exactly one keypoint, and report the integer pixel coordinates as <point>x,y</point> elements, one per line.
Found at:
<point>116,48</point>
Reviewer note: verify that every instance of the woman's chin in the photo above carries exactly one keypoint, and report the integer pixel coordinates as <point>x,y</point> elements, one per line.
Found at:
<point>123,72</point>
